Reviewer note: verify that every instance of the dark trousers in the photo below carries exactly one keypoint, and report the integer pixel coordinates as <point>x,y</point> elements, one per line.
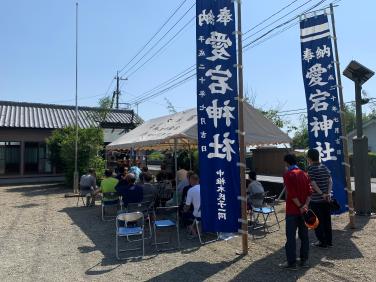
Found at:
<point>293,223</point>
<point>324,230</point>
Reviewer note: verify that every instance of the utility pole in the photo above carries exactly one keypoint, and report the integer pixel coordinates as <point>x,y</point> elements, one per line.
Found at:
<point>343,125</point>
<point>117,92</point>
<point>75,175</point>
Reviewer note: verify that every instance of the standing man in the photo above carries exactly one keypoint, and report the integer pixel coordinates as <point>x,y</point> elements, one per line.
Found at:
<point>321,182</point>
<point>298,194</point>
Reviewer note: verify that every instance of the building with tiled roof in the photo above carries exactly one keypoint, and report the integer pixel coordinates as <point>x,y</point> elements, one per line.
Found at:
<point>24,128</point>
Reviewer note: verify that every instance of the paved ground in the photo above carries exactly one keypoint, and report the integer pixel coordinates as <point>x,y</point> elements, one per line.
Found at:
<point>45,237</point>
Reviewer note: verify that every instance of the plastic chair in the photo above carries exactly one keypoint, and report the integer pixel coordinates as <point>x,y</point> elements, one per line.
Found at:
<point>136,219</point>
<point>166,218</point>
<point>109,199</point>
<point>265,211</point>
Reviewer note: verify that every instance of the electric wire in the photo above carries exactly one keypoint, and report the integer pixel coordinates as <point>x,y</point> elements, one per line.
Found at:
<point>155,34</point>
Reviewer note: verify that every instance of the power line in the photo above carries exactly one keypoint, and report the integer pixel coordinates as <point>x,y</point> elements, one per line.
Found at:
<point>169,81</point>
<point>160,39</point>
<point>268,18</point>
<point>155,34</point>
<point>277,20</point>
<point>162,47</point>
<point>280,25</point>
<point>166,89</point>
<point>145,97</point>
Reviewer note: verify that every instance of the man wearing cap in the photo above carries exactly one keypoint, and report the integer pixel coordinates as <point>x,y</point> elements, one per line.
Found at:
<point>298,193</point>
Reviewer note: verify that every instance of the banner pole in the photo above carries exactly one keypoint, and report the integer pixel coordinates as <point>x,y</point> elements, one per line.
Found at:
<point>343,125</point>
<point>243,191</point>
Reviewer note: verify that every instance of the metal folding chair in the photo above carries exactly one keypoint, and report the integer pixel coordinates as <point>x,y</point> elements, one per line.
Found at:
<point>133,227</point>
<point>266,211</point>
<point>196,225</point>
<point>165,191</point>
<point>166,218</point>
<point>109,199</point>
<point>146,209</point>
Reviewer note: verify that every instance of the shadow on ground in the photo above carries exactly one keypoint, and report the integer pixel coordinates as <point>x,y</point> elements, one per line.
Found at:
<point>102,234</point>
<point>38,190</point>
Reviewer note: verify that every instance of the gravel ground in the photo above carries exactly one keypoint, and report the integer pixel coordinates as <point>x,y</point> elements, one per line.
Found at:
<point>45,237</point>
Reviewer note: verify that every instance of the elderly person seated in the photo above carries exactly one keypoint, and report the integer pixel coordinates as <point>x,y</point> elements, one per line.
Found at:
<point>88,185</point>
<point>255,192</point>
<point>193,199</point>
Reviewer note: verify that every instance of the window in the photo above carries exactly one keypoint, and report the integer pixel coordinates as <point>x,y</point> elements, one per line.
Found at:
<point>10,157</point>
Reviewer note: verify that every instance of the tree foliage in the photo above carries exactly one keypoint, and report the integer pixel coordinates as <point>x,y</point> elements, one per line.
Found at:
<point>100,115</point>
<point>62,146</point>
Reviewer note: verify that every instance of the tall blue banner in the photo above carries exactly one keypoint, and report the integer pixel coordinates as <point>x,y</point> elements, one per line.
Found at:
<point>217,113</point>
<point>324,123</point>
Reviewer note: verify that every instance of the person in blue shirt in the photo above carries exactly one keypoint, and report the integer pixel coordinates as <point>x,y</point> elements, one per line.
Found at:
<point>135,170</point>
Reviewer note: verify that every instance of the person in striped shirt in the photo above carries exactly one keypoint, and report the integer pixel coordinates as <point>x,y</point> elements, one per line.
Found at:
<point>321,182</point>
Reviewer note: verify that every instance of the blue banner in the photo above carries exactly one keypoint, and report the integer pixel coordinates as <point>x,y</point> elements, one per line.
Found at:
<point>324,123</point>
<point>217,114</point>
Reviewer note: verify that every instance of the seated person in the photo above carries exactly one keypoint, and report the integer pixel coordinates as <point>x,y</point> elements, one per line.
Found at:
<point>186,188</point>
<point>163,174</point>
<point>130,192</point>
<point>88,185</point>
<point>144,170</point>
<point>181,174</point>
<point>108,183</point>
<point>255,192</point>
<point>148,189</point>
<point>135,170</point>
<point>193,198</point>
<point>120,173</point>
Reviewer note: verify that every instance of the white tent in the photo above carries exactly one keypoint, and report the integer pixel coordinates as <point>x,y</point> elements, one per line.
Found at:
<point>181,128</point>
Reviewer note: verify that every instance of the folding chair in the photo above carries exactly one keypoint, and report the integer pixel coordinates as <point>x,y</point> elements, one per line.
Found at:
<point>82,195</point>
<point>165,191</point>
<point>136,219</point>
<point>265,211</point>
<point>166,218</point>
<point>145,208</point>
<point>196,224</point>
<point>109,199</point>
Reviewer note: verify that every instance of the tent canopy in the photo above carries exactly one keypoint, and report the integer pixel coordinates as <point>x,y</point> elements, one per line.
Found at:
<point>161,132</point>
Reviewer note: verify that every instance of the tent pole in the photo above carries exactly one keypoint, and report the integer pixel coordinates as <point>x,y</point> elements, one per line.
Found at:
<point>176,170</point>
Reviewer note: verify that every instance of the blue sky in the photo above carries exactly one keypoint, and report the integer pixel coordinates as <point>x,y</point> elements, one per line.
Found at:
<point>37,55</point>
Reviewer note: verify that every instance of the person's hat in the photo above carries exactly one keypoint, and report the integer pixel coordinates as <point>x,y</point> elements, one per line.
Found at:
<point>310,219</point>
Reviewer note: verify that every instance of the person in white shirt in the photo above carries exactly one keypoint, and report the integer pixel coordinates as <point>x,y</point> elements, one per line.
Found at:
<point>193,198</point>
<point>255,191</point>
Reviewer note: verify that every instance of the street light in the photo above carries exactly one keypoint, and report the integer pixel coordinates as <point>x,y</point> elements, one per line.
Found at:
<point>360,74</point>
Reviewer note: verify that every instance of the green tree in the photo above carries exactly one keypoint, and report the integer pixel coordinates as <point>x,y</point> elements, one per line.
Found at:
<point>100,115</point>
<point>62,146</point>
<point>300,139</point>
